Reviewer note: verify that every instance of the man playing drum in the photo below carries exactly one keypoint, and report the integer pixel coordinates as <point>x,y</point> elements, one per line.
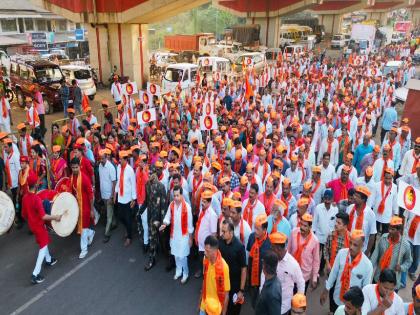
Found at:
<point>34,213</point>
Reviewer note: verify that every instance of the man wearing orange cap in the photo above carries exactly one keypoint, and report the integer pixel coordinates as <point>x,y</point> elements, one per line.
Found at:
<point>302,208</point>
<point>58,166</point>
<point>85,164</point>
<point>330,146</point>
<point>180,220</point>
<point>304,246</point>
<point>392,251</point>
<point>385,200</point>
<point>276,221</point>
<point>367,180</point>
<point>270,299</point>
<point>252,207</point>
<point>216,281</point>
<point>341,186</point>
<point>395,147</point>
<point>411,159</point>
<point>25,140</point>
<point>73,123</point>
<point>267,197</point>
<point>32,118</point>
<point>262,168</point>
<point>413,308</point>
<point>296,176</point>
<point>288,271</point>
<point>382,163</point>
<point>253,178</point>
<point>327,169</point>
<point>125,194</point>
<point>34,214</point>
<point>380,298</point>
<point>242,228</point>
<point>219,196</point>
<point>348,161</point>
<point>81,188</point>
<point>227,171</point>
<point>206,225</point>
<point>258,245</point>
<point>237,146</point>
<point>361,217</point>
<point>107,181</point>
<point>351,268</point>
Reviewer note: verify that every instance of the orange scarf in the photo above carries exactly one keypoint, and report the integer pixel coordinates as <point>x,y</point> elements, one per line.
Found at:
<point>184,218</point>
<point>249,212</point>
<point>343,193</point>
<point>381,206</point>
<point>301,247</point>
<point>413,227</point>
<point>334,245</point>
<point>286,202</point>
<point>35,168</point>
<point>359,221</point>
<point>79,197</point>
<point>27,142</point>
<point>378,296</point>
<point>275,223</point>
<point>140,184</point>
<point>255,254</point>
<point>346,275</point>
<point>330,142</point>
<point>318,184</point>
<point>35,119</point>
<point>197,228</point>
<point>122,180</point>
<point>416,160</point>
<point>267,202</point>
<point>241,231</point>
<point>7,168</point>
<point>391,152</point>
<point>265,170</point>
<point>4,107</point>
<point>220,278</point>
<point>387,256</point>
<point>410,309</point>
<point>23,176</point>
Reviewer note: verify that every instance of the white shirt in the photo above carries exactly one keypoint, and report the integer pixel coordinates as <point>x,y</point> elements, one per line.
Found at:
<point>327,174</point>
<point>129,185</point>
<point>407,163</point>
<point>369,223</point>
<point>324,221</point>
<point>360,276</point>
<point>371,302</point>
<point>5,121</point>
<point>295,179</point>
<point>391,202</point>
<point>289,274</point>
<point>208,226</point>
<point>247,232</point>
<point>258,209</point>
<point>361,181</point>
<point>116,91</point>
<point>334,151</point>
<point>14,165</point>
<point>107,176</point>
<point>178,242</point>
<point>378,168</point>
<point>23,145</point>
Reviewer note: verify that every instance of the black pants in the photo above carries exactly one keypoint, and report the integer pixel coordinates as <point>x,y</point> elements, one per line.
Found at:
<point>383,133</point>
<point>42,124</point>
<point>321,254</point>
<point>333,306</point>
<point>126,218</point>
<point>253,294</point>
<point>233,309</point>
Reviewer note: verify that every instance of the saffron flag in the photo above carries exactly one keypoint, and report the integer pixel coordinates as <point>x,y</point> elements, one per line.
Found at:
<point>153,89</point>
<point>85,102</point>
<point>146,116</point>
<point>146,98</point>
<point>208,122</point>
<point>408,197</point>
<point>248,88</point>
<point>130,88</point>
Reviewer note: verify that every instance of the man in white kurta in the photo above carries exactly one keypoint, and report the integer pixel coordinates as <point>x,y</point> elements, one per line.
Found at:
<point>371,303</point>
<point>385,203</point>
<point>179,219</point>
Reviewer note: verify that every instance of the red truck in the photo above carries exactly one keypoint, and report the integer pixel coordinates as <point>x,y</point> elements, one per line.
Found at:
<point>194,43</point>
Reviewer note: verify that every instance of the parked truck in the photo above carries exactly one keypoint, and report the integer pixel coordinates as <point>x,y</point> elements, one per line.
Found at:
<point>199,44</point>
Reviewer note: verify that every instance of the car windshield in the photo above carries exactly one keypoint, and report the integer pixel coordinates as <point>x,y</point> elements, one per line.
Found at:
<point>173,75</point>
<point>82,74</point>
<point>48,74</point>
<point>363,44</point>
<point>336,37</point>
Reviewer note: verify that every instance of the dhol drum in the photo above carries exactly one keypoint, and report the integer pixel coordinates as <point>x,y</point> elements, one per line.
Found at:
<point>7,212</point>
<point>66,204</point>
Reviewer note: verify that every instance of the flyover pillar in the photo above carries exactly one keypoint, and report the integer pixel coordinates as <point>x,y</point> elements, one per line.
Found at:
<point>269,29</point>
<point>122,45</point>
<point>332,23</point>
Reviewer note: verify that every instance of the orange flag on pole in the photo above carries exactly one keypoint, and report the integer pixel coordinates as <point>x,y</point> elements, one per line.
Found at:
<point>248,88</point>
<point>85,102</point>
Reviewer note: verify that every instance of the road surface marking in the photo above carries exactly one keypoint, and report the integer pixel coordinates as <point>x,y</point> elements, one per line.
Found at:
<point>55,284</point>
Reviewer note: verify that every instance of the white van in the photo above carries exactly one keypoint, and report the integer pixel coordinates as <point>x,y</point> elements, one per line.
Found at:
<point>184,74</point>
<point>83,76</point>
<point>214,65</point>
<point>291,50</point>
<point>250,59</point>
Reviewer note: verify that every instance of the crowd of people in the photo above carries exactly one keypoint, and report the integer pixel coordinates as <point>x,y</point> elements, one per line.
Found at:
<point>291,185</point>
